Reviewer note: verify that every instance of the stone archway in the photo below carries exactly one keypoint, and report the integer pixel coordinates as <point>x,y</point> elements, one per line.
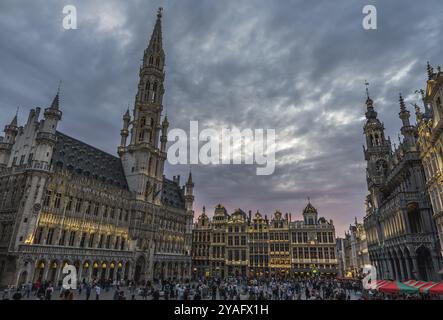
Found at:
<point>95,270</point>
<point>424,261</point>
<point>86,271</point>
<point>112,272</point>
<point>52,274</point>
<point>119,274</point>
<point>22,279</point>
<point>139,272</point>
<point>103,271</point>
<point>126,273</point>
<point>39,271</point>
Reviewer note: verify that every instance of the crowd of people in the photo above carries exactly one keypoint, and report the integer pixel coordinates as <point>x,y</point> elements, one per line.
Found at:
<point>309,288</point>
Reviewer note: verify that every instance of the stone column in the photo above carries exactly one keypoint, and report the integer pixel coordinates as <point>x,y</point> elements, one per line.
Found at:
<point>122,274</point>
<point>379,268</point>
<point>79,273</point>
<point>46,270</point>
<point>390,268</point>
<point>44,235</point>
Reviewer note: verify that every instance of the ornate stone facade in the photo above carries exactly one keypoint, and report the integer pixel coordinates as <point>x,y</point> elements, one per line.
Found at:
<point>313,244</point>
<point>242,245</point>
<point>65,202</point>
<point>430,125</point>
<point>353,251</point>
<point>401,236</point>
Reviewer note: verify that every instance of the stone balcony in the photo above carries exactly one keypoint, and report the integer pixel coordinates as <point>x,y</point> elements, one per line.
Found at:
<point>73,251</point>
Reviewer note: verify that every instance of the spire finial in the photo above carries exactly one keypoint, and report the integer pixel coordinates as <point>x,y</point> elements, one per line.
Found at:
<point>430,71</point>
<point>367,88</point>
<point>56,101</point>
<point>402,103</point>
<point>14,121</point>
<point>160,12</point>
<point>190,176</point>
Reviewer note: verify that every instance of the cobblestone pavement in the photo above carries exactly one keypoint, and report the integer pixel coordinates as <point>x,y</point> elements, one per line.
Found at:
<point>108,294</point>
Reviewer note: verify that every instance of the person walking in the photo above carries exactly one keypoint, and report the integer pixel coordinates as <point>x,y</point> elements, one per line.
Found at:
<point>88,291</point>
<point>49,291</point>
<point>28,289</point>
<point>17,295</point>
<point>97,292</point>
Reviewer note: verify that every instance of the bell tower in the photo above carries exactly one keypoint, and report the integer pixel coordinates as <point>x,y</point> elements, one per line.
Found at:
<point>377,153</point>
<point>143,159</point>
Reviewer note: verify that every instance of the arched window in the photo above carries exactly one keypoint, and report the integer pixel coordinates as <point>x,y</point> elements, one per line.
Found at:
<point>151,60</point>
<point>147,87</point>
<point>143,121</point>
<point>376,139</point>
<point>141,136</point>
<point>147,190</point>
<point>154,92</point>
<point>157,62</point>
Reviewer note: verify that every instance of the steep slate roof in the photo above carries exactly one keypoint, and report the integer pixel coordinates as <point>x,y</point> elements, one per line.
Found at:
<point>83,159</point>
<point>172,194</point>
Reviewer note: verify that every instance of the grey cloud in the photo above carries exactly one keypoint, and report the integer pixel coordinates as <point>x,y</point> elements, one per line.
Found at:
<point>259,64</point>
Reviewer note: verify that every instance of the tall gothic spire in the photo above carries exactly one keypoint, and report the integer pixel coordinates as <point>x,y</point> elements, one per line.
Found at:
<point>155,50</point>
<point>404,113</point>
<point>14,121</point>
<point>56,101</point>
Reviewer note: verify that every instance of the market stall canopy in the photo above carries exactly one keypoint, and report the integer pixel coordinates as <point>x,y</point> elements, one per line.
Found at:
<point>376,284</point>
<point>437,289</point>
<point>425,288</point>
<point>397,287</point>
<point>422,286</point>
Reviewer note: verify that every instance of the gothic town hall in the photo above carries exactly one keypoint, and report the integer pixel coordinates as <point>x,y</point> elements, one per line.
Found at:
<point>64,202</point>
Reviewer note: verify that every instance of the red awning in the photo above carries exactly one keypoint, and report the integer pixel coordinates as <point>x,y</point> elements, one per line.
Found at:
<point>377,284</point>
<point>410,282</point>
<point>437,289</point>
<point>397,287</point>
<point>426,287</point>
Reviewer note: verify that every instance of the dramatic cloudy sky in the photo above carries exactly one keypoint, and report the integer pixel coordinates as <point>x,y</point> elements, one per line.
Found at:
<point>296,66</point>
